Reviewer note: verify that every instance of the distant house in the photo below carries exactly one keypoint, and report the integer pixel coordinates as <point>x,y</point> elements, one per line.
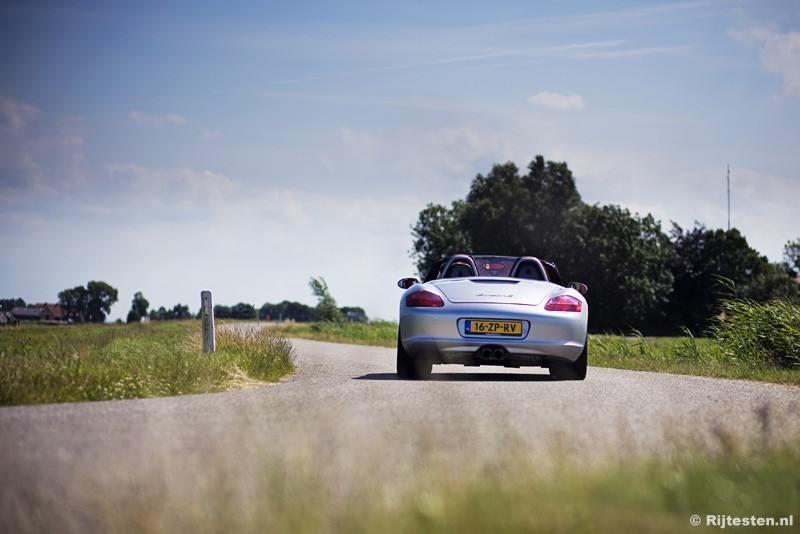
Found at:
<point>38,313</point>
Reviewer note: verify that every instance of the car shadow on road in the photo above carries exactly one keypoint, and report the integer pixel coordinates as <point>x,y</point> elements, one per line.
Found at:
<point>466,377</point>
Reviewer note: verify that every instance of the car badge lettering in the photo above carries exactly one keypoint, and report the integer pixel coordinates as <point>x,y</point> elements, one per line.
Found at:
<point>494,295</point>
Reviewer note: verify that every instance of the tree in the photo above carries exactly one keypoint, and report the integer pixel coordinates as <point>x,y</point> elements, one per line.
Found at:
<point>139,306</point>
<point>73,303</point>
<point>776,281</point>
<point>438,233</point>
<point>181,312</point>
<point>791,254</point>
<point>222,312</point>
<point>506,213</point>
<point>287,311</point>
<point>326,308</point>
<point>101,297</point>
<point>10,304</point>
<point>702,258</point>
<point>625,261</point>
<point>90,303</point>
<point>354,314</point>
<point>243,311</point>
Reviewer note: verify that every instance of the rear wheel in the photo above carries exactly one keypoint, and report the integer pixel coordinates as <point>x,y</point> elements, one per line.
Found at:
<point>408,368</point>
<point>572,371</point>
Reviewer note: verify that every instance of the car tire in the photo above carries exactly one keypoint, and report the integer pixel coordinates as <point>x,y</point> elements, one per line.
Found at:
<point>407,367</point>
<point>572,371</point>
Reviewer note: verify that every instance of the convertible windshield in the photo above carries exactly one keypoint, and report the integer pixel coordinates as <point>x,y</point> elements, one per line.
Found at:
<point>494,265</point>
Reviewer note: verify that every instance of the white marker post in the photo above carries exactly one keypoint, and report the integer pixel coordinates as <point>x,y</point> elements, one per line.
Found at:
<point>207,314</point>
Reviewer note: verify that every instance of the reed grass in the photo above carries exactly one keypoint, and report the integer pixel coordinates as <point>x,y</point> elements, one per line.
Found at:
<point>760,332</point>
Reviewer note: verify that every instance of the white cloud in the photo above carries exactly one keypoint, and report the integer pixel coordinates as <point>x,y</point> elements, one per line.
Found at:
<point>558,101</point>
<point>280,205</point>
<point>142,119</point>
<point>38,153</point>
<point>435,159</point>
<point>634,53</point>
<point>454,149</point>
<point>210,135</point>
<point>15,115</point>
<point>779,54</point>
<point>185,190</point>
<point>362,142</point>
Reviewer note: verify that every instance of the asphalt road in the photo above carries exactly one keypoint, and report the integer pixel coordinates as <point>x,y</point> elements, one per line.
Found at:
<point>344,417</point>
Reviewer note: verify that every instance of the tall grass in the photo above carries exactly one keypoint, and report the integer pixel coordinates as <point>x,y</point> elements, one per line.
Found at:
<point>105,362</point>
<point>260,353</point>
<point>760,332</point>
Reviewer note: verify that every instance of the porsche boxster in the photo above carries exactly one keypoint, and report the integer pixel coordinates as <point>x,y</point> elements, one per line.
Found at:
<point>492,310</point>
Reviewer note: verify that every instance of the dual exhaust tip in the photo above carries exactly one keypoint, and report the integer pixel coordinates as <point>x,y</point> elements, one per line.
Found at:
<point>492,352</point>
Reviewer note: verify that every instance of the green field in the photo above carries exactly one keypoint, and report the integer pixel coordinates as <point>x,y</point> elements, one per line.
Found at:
<point>45,364</point>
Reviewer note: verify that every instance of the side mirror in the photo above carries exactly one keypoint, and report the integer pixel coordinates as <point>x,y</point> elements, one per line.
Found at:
<point>579,287</point>
<point>405,283</point>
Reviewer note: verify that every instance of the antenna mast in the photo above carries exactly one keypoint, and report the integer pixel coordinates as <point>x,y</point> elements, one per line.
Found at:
<point>729,197</point>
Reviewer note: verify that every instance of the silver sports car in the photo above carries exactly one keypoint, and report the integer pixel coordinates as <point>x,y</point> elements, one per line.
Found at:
<point>492,310</point>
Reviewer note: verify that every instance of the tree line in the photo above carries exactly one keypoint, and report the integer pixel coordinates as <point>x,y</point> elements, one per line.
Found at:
<point>640,277</point>
<point>326,310</point>
<point>93,302</point>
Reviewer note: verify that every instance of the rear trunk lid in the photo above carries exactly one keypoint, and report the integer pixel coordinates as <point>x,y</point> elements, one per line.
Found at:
<point>495,290</point>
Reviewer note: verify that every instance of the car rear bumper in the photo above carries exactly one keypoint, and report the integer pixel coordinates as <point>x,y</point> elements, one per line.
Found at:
<point>439,338</point>
<point>496,352</point>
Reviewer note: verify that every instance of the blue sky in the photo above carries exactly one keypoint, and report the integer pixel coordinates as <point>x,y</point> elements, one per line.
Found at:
<point>173,147</point>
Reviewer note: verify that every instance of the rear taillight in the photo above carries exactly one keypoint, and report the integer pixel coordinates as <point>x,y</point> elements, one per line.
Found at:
<point>424,299</point>
<point>564,303</point>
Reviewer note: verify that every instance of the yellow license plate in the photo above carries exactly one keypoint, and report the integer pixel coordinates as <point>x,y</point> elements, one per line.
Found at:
<point>474,327</point>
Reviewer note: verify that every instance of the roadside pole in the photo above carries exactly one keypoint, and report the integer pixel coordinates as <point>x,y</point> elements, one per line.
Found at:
<point>207,313</point>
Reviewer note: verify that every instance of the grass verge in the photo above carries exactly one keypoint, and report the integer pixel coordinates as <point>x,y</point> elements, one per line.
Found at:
<point>685,355</point>
<point>105,362</point>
